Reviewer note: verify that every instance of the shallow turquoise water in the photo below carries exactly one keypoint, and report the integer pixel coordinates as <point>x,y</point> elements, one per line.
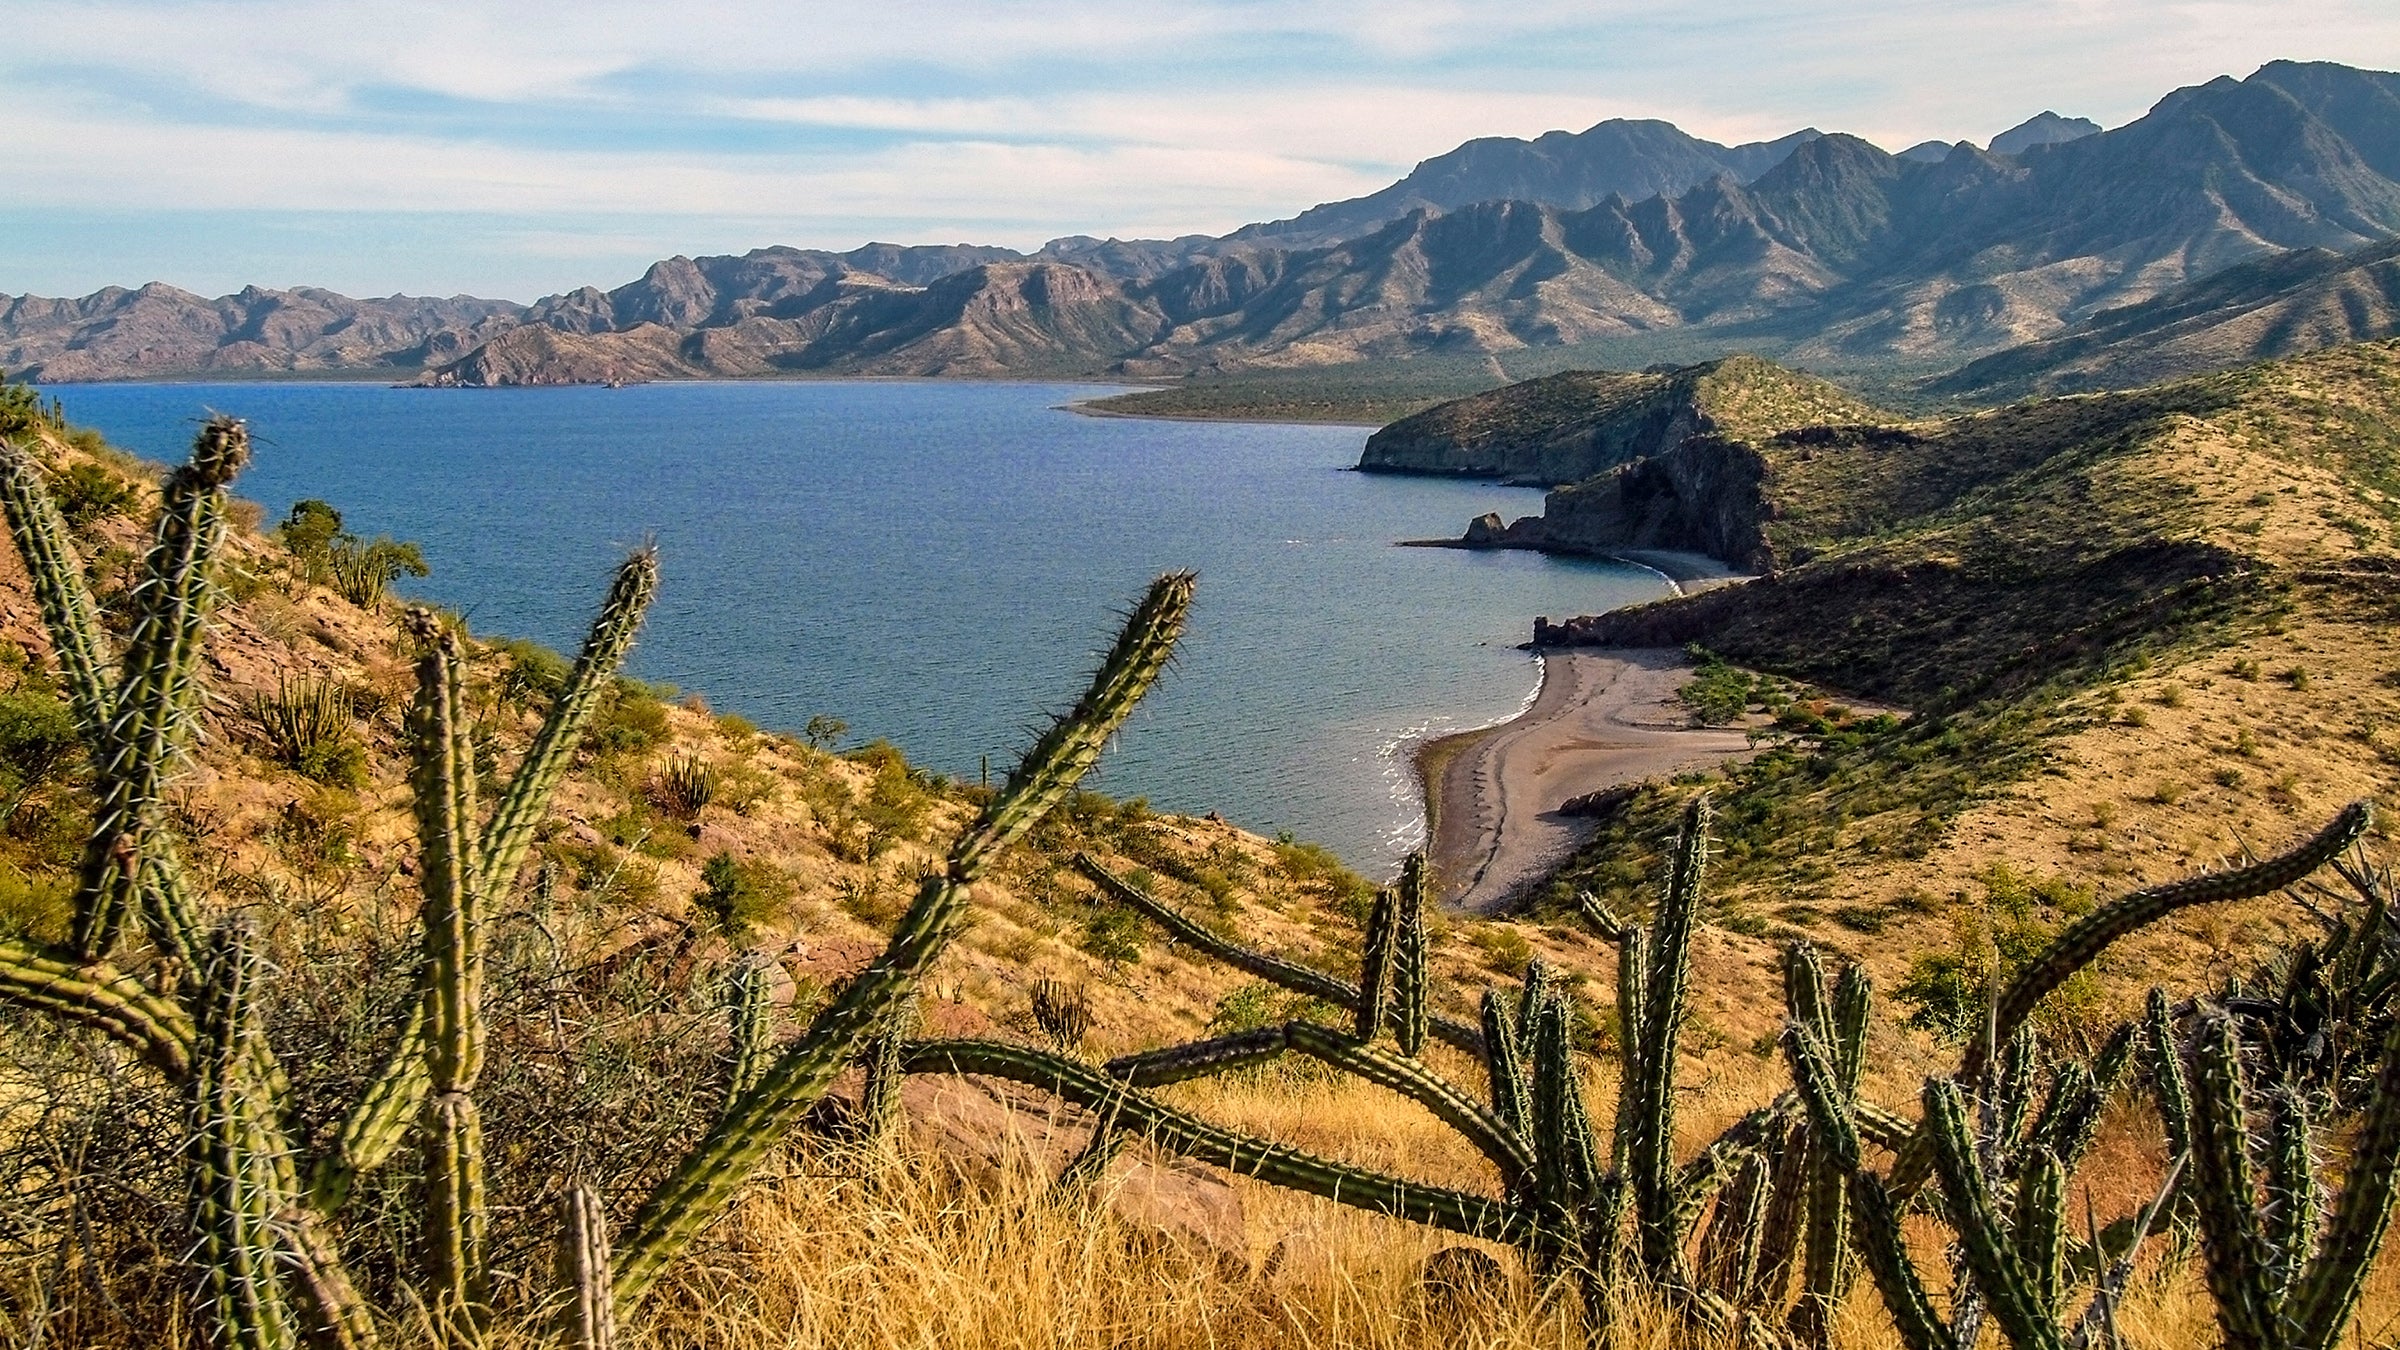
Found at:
<point>940,563</point>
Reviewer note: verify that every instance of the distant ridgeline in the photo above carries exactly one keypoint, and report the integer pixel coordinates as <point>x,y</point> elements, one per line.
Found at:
<point>1821,248</point>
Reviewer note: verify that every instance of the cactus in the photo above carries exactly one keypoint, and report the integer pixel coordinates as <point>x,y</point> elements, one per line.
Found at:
<point>1409,974</point>
<point>2285,1272</point>
<point>753,1029</point>
<point>234,1194</point>
<point>583,1270</point>
<point>1559,1199</point>
<point>1375,967</point>
<point>704,1182</point>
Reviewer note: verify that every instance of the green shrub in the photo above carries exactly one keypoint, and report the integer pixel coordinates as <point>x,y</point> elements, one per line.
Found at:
<point>1504,948</point>
<point>737,893</point>
<point>1718,694</point>
<point>38,738</point>
<point>1112,934</point>
<point>632,720</point>
<point>86,492</point>
<point>536,674</point>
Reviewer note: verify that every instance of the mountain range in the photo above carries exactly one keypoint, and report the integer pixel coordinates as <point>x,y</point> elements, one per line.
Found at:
<point>1822,246</point>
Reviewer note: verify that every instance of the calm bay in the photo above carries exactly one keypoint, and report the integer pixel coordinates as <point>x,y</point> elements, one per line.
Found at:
<point>939,563</point>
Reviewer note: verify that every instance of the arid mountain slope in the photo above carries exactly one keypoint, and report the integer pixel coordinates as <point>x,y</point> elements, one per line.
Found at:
<point>1836,253</point>
<point>2278,306</point>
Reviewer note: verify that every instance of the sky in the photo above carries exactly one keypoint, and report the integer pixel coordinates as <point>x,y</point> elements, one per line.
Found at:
<point>514,150</point>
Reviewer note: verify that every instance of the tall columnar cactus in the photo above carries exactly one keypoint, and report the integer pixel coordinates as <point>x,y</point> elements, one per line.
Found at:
<point>1409,957</point>
<point>2284,1270</point>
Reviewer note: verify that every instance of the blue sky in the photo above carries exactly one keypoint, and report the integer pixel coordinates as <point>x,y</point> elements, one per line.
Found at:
<point>518,149</point>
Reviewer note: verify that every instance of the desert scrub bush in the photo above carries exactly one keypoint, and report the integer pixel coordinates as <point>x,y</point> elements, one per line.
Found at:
<point>89,492</point>
<point>306,726</point>
<point>1718,693</point>
<point>1504,948</point>
<point>2012,927</point>
<point>1317,868</point>
<point>535,674</point>
<point>739,893</point>
<point>1112,934</point>
<point>632,719</point>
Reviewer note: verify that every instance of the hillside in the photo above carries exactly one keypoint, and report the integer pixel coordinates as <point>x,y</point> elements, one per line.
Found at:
<point>1822,247</point>
<point>2132,629</point>
<point>1568,427</point>
<point>2277,306</point>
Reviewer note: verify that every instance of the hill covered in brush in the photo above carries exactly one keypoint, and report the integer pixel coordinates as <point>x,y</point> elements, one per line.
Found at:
<point>2119,632</point>
<point>1571,426</point>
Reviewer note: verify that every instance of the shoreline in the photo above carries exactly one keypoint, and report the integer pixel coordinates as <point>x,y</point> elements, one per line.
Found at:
<point>1602,718</point>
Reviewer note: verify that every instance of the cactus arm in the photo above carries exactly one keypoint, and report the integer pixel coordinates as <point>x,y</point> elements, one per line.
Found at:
<point>233,1201</point>
<point>879,1094</point>
<point>1603,920</point>
<point>1653,1144</point>
<point>527,799</point>
<point>442,782</point>
<point>342,1321</point>
<point>1375,968</point>
<point>2166,1064</point>
<point>101,997</point>
<point>1512,1100</point>
<point>2328,1296</point>
<point>2087,937</point>
<point>69,613</point>
<point>753,1018</point>
<point>1083,1085</point>
<point>1410,976</point>
<point>704,1182</point>
<point>153,711</point>
<point>1200,1059</point>
<point>383,1115</point>
<point>2008,1289</point>
<point>2289,1219</point>
<point>1633,983</point>
<point>583,1268</point>
<point>1875,1219</point>
<point>1454,1108</point>
<point>2249,1305</point>
<point>1274,970</point>
<point>2040,1238</point>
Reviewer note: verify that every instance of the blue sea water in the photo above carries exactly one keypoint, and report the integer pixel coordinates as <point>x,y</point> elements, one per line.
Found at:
<point>940,564</point>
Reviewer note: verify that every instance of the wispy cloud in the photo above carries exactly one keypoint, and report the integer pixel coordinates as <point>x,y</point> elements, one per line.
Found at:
<point>1012,122</point>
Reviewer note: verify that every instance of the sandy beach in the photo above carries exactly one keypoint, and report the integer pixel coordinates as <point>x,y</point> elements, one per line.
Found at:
<point>1602,718</point>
